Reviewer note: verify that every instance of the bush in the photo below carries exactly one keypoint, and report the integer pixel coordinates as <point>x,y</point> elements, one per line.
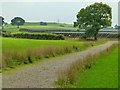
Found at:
<point>6,34</point>
<point>62,25</point>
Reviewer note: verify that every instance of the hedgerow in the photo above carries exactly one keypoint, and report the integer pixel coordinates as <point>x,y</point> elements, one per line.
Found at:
<point>41,36</point>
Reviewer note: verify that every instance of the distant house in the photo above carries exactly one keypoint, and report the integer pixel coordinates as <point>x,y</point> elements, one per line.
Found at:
<point>43,23</point>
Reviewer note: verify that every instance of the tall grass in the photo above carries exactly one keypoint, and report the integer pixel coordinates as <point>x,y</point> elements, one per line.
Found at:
<point>68,76</point>
<point>14,57</point>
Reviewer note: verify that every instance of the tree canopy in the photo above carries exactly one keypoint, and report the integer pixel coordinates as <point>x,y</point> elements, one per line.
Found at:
<point>17,21</point>
<point>93,18</point>
<point>1,20</point>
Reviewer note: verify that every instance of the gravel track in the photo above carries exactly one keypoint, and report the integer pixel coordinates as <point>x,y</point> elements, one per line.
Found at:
<point>43,75</point>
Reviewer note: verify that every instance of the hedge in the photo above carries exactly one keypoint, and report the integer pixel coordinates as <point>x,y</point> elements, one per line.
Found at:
<point>43,36</point>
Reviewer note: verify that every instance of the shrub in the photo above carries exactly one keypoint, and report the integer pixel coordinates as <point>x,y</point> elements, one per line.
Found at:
<point>62,25</point>
<point>6,34</point>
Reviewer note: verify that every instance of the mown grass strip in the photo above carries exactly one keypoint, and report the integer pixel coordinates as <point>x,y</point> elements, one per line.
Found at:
<point>104,74</point>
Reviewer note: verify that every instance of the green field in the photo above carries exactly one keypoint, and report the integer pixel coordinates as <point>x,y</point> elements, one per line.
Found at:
<point>104,74</point>
<point>36,25</point>
<point>22,44</point>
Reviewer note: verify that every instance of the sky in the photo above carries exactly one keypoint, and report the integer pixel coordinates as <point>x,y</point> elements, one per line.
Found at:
<point>62,11</point>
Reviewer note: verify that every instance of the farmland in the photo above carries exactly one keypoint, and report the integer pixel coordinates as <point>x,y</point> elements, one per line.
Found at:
<point>22,44</point>
<point>52,45</point>
<point>36,25</point>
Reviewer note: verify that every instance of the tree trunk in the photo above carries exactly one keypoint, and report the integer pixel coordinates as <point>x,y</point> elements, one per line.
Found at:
<point>95,35</point>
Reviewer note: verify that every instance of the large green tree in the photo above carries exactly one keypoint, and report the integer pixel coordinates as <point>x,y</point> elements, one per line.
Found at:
<point>93,18</point>
<point>17,21</point>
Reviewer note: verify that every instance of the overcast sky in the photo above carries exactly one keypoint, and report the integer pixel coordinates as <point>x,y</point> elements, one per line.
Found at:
<point>65,12</point>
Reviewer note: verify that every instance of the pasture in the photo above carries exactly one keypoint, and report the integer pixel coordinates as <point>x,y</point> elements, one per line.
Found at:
<point>22,44</point>
<point>36,25</point>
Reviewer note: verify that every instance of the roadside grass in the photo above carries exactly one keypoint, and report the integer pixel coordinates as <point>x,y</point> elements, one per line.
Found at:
<point>98,71</point>
<point>104,74</point>
<point>24,51</point>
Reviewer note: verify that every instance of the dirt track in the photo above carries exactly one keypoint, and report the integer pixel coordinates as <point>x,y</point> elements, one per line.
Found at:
<point>44,74</point>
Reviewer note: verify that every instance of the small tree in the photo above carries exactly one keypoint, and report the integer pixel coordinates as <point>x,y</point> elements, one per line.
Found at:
<point>17,21</point>
<point>1,21</point>
<point>93,18</point>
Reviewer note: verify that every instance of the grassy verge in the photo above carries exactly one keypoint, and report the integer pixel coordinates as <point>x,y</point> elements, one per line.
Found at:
<point>98,71</point>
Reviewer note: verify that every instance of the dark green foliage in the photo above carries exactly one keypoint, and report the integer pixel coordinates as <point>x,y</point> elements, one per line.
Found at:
<point>62,25</point>
<point>6,34</point>
<point>43,23</point>
<point>17,21</point>
<point>39,36</point>
<point>29,59</point>
<point>34,36</point>
<point>1,21</point>
<point>93,18</point>
<point>47,30</point>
